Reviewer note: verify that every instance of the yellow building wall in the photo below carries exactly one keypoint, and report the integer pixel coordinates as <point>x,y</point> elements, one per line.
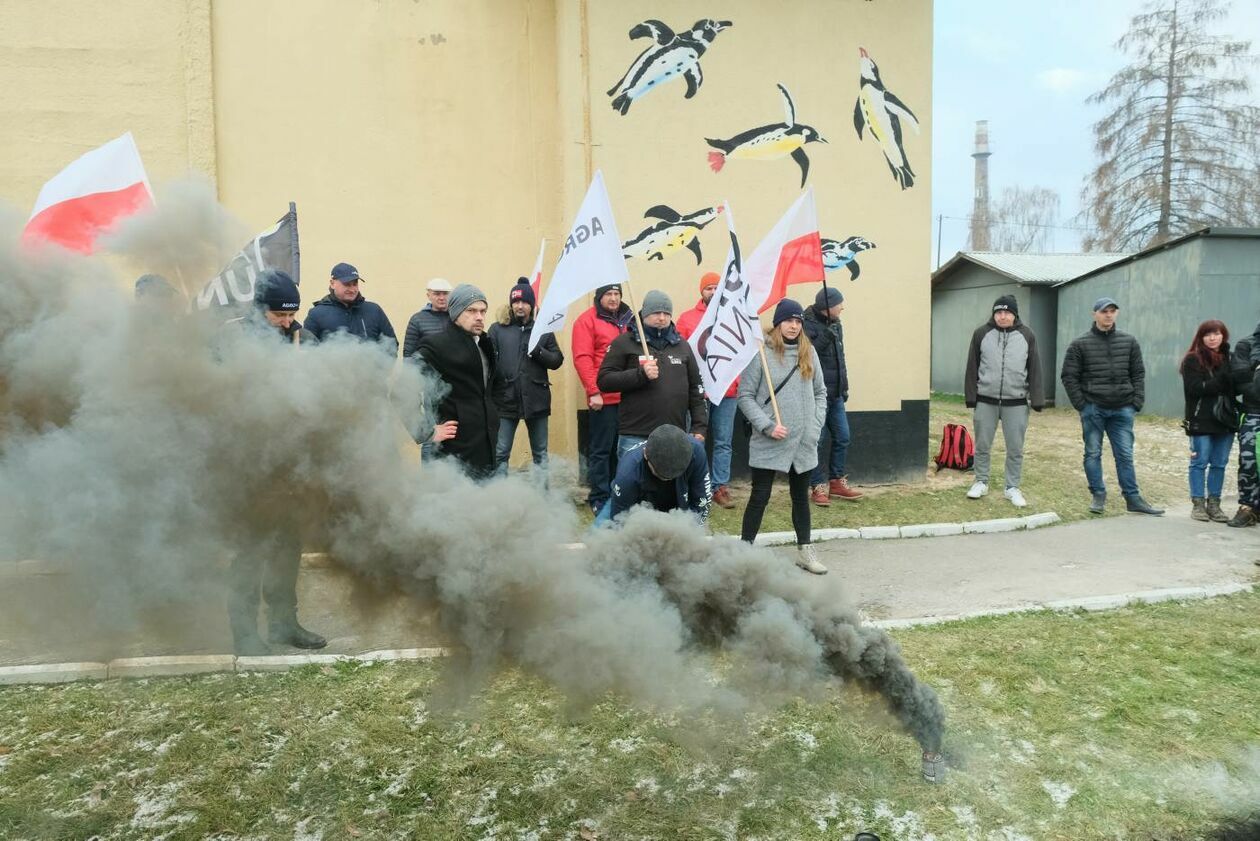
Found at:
<point>424,138</point>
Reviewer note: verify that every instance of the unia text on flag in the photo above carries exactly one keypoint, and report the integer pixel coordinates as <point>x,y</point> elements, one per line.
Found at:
<point>591,258</point>
<point>274,248</point>
<point>90,195</point>
<point>790,253</point>
<point>535,277</point>
<point>729,333</point>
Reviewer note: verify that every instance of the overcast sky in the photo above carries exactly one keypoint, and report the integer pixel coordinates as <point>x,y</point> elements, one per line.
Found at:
<point>1027,66</point>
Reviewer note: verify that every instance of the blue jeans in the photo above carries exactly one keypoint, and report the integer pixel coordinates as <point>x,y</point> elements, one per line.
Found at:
<point>1209,453</point>
<point>721,430</point>
<point>837,423</point>
<point>537,429</point>
<point>1118,425</point>
<point>626,443</point>
<point>601,455</point>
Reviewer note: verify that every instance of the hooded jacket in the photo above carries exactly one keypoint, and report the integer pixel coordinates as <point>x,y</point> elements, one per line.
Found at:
<point>360,318</point>
<point>593,333</point>
<point>1105,369</point>
<point>524,391</point>
<point>692,487</point>
<point>457,358</point>
<point>646,404</point>
<point>827,337</point>
<point>1003,367</point>
<point>424,323</point>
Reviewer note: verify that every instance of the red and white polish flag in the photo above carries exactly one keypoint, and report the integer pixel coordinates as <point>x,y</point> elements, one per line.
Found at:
<point>90,195</point>
<point>535,279</point>
<point>790,253</point>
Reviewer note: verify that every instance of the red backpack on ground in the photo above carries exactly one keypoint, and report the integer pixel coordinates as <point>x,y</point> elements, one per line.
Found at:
<point>957,450</point>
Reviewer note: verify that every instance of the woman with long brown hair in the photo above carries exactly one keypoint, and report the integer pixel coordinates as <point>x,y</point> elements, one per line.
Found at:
<point>1209,391</point>
<point>788,444</point>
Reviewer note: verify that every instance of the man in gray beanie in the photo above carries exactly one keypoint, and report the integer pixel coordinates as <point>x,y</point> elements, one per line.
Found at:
<point>659,388</point>
<point>467,425</point>
<point>667,471</point>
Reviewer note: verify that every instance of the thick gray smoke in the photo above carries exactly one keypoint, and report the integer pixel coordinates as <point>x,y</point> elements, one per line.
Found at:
<point>145,448</point>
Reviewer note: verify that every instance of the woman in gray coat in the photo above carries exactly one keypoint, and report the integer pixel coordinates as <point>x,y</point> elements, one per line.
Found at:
<point>789,446</point>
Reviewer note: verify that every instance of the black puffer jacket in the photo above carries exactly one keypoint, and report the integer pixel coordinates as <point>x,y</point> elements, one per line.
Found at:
<point>827,337</point>
<point>360,318</point>
<point>1246,383</point>
<point>1202,389</point>
<point>1104,369</point>
<point>524,392</point>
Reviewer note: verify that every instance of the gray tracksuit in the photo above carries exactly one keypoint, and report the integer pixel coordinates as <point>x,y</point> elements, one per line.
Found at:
<point>1003,377</point>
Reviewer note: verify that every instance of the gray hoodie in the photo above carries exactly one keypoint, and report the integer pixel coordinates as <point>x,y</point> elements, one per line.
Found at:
<point>1003,367</point>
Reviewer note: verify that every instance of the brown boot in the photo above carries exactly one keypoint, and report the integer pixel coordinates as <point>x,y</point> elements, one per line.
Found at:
<point>722,497</point>
<point>818,496</point>
<point>840,487</point>
<point>1198,510</point>
<point>1244,518</point>
<point>1214,512</point>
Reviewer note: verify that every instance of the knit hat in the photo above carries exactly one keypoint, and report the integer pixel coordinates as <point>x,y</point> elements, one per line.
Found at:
<point>463,297</point>
<point>709,279</point>
<point>274,290</point>
<point>669,451</point>
<point>657,301</point>
<point>1007,303</point>
<point>522,291</point>
<point>828,297</point>
<point>603,290</point>
<point>787,308</point>
<point>1102,304</point>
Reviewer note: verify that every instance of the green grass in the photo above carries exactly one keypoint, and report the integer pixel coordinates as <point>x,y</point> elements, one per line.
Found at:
<point>1123,715</point>
<point>1053,478</point>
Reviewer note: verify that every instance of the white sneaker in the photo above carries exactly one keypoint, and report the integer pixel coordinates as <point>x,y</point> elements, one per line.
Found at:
<point>807,560</point>
<point>978,490</point>
<point>1016,498</point>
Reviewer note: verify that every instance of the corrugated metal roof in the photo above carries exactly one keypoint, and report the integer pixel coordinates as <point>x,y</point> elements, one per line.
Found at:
<point>1033,268</point>
<point>1220,232</point>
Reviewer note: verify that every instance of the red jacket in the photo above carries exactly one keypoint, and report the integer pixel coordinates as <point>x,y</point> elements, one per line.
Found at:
<point>687,324</point>
<point>593,332</point>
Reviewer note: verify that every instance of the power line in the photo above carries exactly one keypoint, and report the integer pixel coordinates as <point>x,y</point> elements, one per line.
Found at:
<point>968,220</point>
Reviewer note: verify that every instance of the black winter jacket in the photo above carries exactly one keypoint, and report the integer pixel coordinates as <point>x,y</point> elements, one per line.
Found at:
<point>1104,369</point>
<point>457,360</point>
<point>524,392</point>
<point>424,323</point>
<point>646,404</point>
<point>827,337</point>
<point>359,318</point>
<point>1202,388</point>
<point>1246,382</point>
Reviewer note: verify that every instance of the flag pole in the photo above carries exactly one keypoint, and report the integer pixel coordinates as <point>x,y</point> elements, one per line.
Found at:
<point>635,310</point>
<point>765,366</point>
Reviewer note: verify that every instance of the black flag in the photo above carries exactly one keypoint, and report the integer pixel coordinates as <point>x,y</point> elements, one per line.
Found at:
<point>274,248</point>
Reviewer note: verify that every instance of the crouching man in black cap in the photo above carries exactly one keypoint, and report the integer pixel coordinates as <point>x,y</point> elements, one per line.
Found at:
<point>271,554</point>
<point>670,470</point>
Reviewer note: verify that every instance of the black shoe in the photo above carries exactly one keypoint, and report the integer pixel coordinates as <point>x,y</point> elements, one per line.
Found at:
<point>1136,505</point>
<point>1244,518</point>
<point>1098,503</point>
<point>291,633</point>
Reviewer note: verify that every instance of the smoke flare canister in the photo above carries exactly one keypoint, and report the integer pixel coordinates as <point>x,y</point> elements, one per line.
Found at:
<point>933,766</point>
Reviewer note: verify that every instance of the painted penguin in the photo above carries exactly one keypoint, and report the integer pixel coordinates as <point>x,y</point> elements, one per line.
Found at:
<point>881,111</point>
<point>837,254</point>
<point>671,234</point>
<point>769,142</point>
<point>671,56</point>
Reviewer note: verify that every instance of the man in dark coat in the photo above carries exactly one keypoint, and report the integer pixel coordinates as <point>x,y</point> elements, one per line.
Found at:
<point>826,334</point>
<point>344,309</point>
<point>1105,380</point>
<point>1247,384</point>
<point>432,319</point>
<point>659,388</point>
<point>464,357</point>
<point>524,392</point>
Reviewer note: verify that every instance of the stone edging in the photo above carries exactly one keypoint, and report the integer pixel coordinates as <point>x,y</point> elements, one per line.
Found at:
<point>1032,521</point>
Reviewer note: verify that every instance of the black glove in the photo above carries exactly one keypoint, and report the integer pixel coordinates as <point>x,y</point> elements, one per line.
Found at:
<point>971,405</point>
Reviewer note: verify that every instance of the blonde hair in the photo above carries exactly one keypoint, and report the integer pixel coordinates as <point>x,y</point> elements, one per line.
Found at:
<point>774,338</point>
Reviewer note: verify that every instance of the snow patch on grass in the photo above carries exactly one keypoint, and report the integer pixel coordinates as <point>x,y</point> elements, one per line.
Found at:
<point>626,745</point>
<point>1060,793</point>
<point>154,807</point>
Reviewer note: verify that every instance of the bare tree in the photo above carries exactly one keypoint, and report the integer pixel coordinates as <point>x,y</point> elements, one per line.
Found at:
<point>1178,149</point>
<point>1024,219</point>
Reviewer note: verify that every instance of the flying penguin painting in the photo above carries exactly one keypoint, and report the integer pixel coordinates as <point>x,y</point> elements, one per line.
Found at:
<point>769,142</point>
<point>670,235</point>
<point>881,111</point>
<point>672,55</point>
<point>840,253</point>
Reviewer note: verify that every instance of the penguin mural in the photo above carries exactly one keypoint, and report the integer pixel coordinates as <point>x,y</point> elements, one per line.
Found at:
<point>881,111</point>
<point>671,234</point>
<point>840,253</point>
<point>671,56</point>
<point>769,142</point>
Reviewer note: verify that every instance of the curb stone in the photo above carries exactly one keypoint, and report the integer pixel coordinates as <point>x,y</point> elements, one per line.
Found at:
<point>190,664</point>
<point>53,673</point>
<point>932,530</point>
<point>880,532</point>
<point>995,526</point>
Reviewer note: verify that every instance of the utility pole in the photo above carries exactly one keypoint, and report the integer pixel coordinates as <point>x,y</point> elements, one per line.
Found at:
<point>980,239</point>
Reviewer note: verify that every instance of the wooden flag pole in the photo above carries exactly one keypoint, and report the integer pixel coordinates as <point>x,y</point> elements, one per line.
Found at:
<point>765,366</point>
<point>635,309</point>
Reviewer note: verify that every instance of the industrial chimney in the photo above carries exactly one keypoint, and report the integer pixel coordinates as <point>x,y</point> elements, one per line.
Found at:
<point>980,240</point>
